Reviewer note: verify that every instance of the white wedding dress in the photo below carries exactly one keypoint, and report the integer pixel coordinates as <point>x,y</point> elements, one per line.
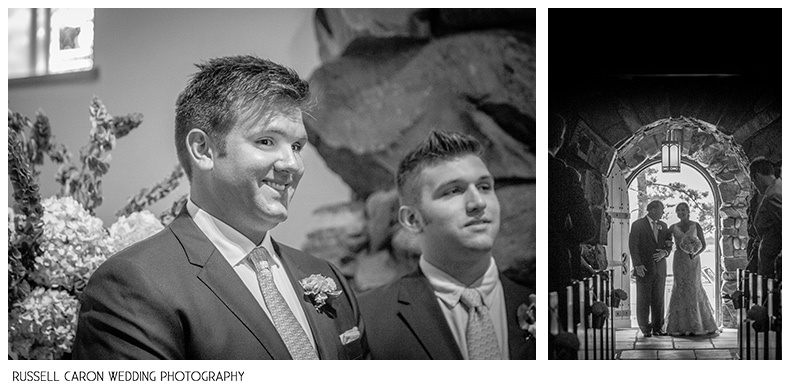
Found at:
<point>690,312</point>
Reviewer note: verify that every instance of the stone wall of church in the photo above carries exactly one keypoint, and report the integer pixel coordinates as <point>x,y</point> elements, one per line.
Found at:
<point>388,78</point>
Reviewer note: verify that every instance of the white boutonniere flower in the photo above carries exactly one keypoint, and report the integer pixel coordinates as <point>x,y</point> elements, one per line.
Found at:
<point>319,290</point>
<point>526,317</point>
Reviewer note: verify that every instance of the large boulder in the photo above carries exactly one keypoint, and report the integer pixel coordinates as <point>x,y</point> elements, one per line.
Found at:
<point>380,99</point>
<point>390,77</point>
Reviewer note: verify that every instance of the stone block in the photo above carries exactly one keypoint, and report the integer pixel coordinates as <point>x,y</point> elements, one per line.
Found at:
<point>725,176</point>
<point>734,263</point>
<point>726,247</point>
<point>729,191</point>
<point>379,102</point>
<point>729,231</point>
<point>743,179</point>
<point>729,287</point>
<point>729,275</point>
<point>337,29</point>
<point>517,231</point>
<point>731,211</point>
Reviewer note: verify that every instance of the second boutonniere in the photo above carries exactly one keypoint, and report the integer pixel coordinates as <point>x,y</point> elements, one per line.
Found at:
<point>527,317</point>
<point>319,290</point>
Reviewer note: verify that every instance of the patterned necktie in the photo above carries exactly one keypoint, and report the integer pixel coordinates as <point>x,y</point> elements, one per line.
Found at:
<point>655,230</point>
<point>481,341</point>
<point>288,327</point>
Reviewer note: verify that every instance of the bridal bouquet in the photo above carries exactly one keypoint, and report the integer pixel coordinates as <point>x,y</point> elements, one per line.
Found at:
<point>690,245</point>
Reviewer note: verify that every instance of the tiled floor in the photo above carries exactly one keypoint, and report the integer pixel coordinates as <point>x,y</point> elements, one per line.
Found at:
<point>632,345</point>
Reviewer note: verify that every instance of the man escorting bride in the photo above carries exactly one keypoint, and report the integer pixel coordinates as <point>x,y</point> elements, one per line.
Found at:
<point>690,312</point>
<point>650,244</point>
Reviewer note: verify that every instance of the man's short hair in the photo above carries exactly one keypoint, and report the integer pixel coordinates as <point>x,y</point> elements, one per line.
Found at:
<point>439,147</point>
<point>654,204</point>
<point>215,98</point>
<point>762,166</point>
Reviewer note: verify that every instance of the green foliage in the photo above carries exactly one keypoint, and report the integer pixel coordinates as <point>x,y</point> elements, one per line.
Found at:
<point>146,197</point>
<point>671,194</point>
<point>24,230</point>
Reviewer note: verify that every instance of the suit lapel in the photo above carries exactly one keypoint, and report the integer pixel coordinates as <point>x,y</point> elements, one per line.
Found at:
<point>320,324</point>
<point>222,280</point>
<point>420,311</point>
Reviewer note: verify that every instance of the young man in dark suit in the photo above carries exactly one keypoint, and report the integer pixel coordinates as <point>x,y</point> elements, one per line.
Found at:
<point>456,305</point>
<point>767,219</point>
<point>650,243</point>
<point>214,284</point>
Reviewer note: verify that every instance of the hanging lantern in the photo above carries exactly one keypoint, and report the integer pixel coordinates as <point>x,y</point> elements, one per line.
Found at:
<point>670,154</point>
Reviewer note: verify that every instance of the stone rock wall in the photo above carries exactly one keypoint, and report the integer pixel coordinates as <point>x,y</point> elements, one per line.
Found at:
<point>389,77</point>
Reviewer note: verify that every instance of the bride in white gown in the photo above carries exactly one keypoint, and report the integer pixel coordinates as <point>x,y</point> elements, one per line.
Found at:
<point>690,312</point>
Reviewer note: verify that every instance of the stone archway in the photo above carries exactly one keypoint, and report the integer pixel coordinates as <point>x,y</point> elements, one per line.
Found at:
<point>726,164</point>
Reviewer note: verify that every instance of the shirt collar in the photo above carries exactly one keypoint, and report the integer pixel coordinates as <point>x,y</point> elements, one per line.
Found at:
<point>449,290</point>
<point>232,244</point>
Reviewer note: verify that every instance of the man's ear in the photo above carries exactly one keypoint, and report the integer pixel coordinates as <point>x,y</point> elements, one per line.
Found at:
<point>200,149</point>
<point>410,218</point>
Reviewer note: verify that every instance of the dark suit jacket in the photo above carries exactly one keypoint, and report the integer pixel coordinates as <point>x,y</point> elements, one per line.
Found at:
<point>643,245</point>
<point>404,321</point>
<point>768,225</point>
<point>173,296</point>
<point>570,223</point>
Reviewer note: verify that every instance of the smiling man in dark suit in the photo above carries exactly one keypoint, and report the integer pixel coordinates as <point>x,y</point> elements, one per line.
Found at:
<point>650,243</point>
<point>456,305</point>
<point>214,284</point>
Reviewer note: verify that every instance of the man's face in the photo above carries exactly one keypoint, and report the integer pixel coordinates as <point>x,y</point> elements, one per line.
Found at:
<point>656,213</point>
<point>458,205</point>
<point>254,180</point>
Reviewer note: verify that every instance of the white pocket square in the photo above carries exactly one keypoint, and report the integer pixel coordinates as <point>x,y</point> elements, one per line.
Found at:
<point>349,336</point>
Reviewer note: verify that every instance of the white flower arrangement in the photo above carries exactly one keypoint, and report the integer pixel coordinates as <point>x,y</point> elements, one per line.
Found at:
<point>43,325</point>
<point>55,245</point>
<point>75,244</point>
<point>132,229</point>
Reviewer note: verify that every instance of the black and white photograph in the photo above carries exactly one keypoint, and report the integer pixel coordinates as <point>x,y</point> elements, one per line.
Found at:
<point>664,180</point>
<point>269,184</point>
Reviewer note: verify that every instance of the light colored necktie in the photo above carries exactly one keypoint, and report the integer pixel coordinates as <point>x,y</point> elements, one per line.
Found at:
<point>655,230</point>
<point>288,327</point>
<point>481,342</point>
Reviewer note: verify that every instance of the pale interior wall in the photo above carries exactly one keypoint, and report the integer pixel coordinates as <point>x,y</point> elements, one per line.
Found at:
<point>144,57</point>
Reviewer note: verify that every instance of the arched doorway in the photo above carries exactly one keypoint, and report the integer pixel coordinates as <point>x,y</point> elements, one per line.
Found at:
<point>692,178</point>
<point>725,166</point>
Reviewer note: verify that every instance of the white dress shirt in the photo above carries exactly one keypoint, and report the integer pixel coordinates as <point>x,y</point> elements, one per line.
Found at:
<point>448,292</point>
<point>234,247</point>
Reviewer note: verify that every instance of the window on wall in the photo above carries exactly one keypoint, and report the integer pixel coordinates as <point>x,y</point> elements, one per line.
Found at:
<point>49,41</point>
